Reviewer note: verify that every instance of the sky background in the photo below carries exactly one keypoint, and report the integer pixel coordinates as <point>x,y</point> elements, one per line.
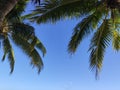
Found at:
<point>61,70</point>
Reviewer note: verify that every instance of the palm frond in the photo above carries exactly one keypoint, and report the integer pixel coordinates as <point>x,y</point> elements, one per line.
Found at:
<point>41,47</point>
<point>24,30</point>
<point>15,13</point>
<point>115,20</point>
<point>84,28</point>
<point>8,50</point>
<point>53,10</point>
<point>99,42</point>
<point>36,60</point>
<point>11,59</point>
<point>29,50</point>
<point>27,32</point>
<point>81,30</point>
<point>116,40</point>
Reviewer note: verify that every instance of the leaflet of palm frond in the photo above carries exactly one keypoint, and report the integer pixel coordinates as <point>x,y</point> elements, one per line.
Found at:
<point>41,9</point>
<point>84,28</point>
<point>8,51</point>
<point>51,13</point>
<point>115,16</point>
<point>36,60</point>
<point>26,47</point>
<point>24,30</point>
<point>116,40</point>
<point>17,11</point>
<point>36,1</point>
<point>40,46</point>
<point>11,59</point>
<point>6,47</point>
<point>35,42</point>
<point>99,42</point>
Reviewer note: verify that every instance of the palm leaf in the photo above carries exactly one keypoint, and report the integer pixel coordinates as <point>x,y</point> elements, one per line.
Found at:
<point>53,10</point>
<point>29,50</point>
<point>8,50</point>
<point>15,13</point>
<point>24,30</point>
<point>11,59</point>
<point>116,40</point>
<point>36,60</point>
<point>41,47</point>
<point>84,28</point>
<point>115,20</point>
<point>98,45</point>
<point>81,30</point>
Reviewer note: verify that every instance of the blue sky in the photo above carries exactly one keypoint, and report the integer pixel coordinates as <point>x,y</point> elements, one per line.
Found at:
<point>61,70</point>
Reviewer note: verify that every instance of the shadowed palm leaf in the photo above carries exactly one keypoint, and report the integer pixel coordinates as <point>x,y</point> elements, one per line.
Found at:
<point>8,51</point>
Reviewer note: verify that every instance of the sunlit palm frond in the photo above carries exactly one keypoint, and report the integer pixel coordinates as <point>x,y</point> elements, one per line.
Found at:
<point>116,40</point>
<point>80,31</point>
<point>84,28</point>
<point>99,42</point>
<point>116,31</point>
<point>40,46</point>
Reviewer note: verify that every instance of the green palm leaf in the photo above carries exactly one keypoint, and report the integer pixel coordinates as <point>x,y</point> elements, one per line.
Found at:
<point>116,40</point>
<point>40,46</point>
<point>37,43</point>
<point>99,42</point>
<point>29,50</point>
<point>84,28</point>
<point>8,50</point>
<point>80,31</point>
<point>14,14</point>
<point>24,30</point>
<point>53,10</point>
<point>36,60</point>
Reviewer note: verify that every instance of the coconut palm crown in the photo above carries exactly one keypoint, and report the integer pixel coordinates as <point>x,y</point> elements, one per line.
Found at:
<point>101,17</point>
<point>23,35</point>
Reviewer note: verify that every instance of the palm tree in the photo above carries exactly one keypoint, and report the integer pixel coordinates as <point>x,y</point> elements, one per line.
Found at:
<point>100,17</point>
<point>7,5</point>
<point>23,35</point>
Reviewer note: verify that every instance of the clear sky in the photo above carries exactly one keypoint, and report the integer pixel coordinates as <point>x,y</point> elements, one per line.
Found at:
<point>61,70</point>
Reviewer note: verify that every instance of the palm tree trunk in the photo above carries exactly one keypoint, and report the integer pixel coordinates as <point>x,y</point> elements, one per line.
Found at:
<point>5,7</point>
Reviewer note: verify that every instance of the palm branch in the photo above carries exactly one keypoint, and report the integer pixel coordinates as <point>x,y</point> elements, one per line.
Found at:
<point>53,10</point>
<point>8,50</point>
